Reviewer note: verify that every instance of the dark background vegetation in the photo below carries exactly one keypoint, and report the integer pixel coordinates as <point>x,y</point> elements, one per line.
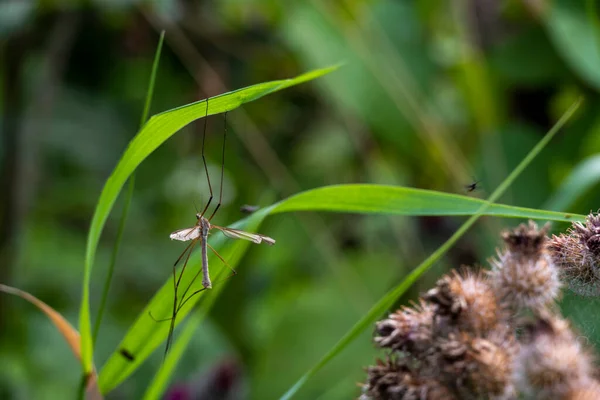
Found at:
<point>433,95</point>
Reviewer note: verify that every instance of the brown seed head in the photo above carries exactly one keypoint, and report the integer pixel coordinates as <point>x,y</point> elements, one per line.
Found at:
<point>408,329</point>
<point>577,255</point>
<point>523,275</point>
<point>526,240</point>
<point>468,300</point>
<point>551,360</point>
<point>476,367</point>
<point>392,380</point>
<point>587,391</point>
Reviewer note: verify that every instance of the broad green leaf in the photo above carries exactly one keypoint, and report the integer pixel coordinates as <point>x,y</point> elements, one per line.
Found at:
<point>583,177</point>
<point>392,296</point>
<point>155,132</point>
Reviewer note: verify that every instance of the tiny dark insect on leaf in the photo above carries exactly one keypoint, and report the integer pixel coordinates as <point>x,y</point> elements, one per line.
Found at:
<point>125,353</point>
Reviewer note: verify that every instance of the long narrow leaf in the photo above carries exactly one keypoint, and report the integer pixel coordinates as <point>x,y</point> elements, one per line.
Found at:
<point>128,197</point>
<point>397,200</point>
<point>158,129</point>
<point>145,334</point>
<point>390,298</point>
<point>68,332</point>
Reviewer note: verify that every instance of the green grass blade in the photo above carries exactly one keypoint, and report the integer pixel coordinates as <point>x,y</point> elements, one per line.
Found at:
<point>388,300</point>
<point>128,197</point>
<point>161,379</point>
<point>155,132</point>
<point>146,334</point>
<point>583,177</point>
<point>397,200</point>
<point>359,198</point>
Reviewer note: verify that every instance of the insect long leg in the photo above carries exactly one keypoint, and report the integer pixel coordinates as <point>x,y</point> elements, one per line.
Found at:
<point>222,259</point>
<point>187,252</point>
<point>204,160</point>
<point>185,300</point>
<point>222,168</point>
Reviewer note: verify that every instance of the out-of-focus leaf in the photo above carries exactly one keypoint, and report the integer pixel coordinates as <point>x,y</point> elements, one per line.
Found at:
<point>155,132</point>
<point>582,178</point>
<point>66,329</point>
<point>576,38</point>
<point>392,296</point>
<point>13,15</point>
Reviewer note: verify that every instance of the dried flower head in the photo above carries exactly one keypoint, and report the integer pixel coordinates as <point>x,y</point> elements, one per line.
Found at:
<point>476,367</point>
<point>587,391</point>
<point>551,360</point>
<point>524,275</point>
<point>391,379</point>
<point>577,255</point>
<point>468,300</point>
<point>408,329</point>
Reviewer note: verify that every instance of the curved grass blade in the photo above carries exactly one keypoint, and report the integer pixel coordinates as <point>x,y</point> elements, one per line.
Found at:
<point>67,331</point>
<point>155,132</point>
<point>161,379</point>
<point>397,200</point>
<point>146,334</point>
<point>128,197</point>
<point>379,199</point>
<point>583,177</point>
<point>390,298</point>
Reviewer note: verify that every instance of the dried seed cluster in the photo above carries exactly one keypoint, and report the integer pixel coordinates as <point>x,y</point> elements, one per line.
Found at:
<point>577,255</point>
<point>459,341</point>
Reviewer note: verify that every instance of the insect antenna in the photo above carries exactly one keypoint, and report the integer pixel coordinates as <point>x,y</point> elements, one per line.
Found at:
<point>204,160</point>
<point>222,167</point>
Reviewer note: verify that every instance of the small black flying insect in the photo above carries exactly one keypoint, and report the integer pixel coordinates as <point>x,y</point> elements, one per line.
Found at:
<point>471,187</point>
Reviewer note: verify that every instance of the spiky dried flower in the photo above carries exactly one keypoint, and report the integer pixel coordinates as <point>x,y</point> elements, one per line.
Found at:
<point>524,275</point>
<point>408,329</point>
<point>468,300</point>
<point>577,255</point>
<point>552,363</point>
<point>476,367</point>
<point>393,380</point>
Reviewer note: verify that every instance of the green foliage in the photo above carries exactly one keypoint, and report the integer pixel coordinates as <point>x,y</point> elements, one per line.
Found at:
<point>371,164</point>
<point>158,129</point>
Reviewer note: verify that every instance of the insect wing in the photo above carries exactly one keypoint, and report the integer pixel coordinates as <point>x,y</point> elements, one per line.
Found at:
<point>186,234</point>
<point>237,234</point>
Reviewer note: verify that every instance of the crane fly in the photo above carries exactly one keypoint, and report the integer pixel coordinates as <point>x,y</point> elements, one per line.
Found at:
<point>198,234</point>
<point>201,230</point>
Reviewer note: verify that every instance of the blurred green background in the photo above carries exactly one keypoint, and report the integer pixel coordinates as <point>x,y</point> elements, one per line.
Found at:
<point>433,95</point>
